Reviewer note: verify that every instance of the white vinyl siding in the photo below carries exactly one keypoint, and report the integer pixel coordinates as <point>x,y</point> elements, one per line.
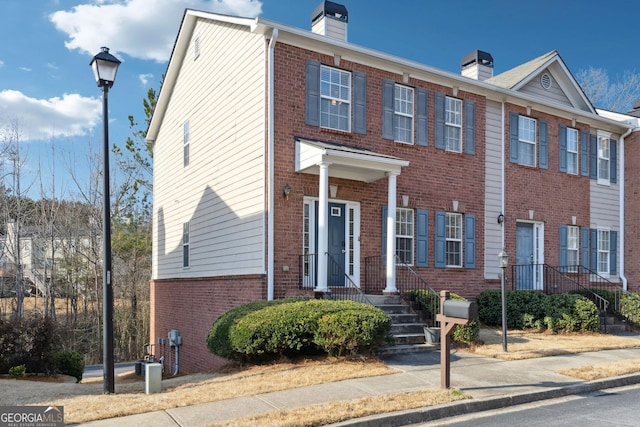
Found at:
<point>223,200</point>
<point>493,189</point>
<point>554,93</point>
<point>403,110</point>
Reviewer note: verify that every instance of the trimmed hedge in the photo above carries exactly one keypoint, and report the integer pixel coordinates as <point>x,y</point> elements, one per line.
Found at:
<point>352,331</point>
<point>533,309</point>
<point>630,307</point>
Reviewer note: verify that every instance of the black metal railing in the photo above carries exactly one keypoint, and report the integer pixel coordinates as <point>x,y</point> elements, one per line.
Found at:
<point>307,271</point>
<point>407,282</point>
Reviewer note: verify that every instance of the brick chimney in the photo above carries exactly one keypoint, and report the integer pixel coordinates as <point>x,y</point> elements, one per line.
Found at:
<point>330,19</point>
<point>477,65</point>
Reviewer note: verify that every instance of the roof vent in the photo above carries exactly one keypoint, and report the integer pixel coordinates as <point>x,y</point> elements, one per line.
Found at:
<point>545,81</point>
<point>477,65</point>
<point>330,19</point>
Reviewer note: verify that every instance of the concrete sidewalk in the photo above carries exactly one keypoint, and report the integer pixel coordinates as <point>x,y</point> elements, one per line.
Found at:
<point>491,382</point>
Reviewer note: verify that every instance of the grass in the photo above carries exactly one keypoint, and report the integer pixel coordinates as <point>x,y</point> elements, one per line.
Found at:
<point>85,402</point>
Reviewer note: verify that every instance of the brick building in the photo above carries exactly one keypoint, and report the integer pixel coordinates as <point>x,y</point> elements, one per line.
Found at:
<point>290,162</point>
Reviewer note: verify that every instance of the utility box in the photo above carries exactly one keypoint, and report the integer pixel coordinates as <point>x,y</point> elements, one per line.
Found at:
<point>461,309</point>
<point>153,378</point>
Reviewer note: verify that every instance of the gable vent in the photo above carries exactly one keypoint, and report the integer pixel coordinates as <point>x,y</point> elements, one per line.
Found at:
<point>545,81</point>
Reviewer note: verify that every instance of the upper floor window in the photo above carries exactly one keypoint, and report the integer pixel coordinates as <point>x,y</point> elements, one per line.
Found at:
<point>528,141</point>
<point>603,160</point>
<point>196,47</point>
<point>403,110</point>
<point>572,151</point>
<point>404,235</point>
<point>185,143</point>
<point>453,124</point>
<point>335,98</point>
<point>186,231</point>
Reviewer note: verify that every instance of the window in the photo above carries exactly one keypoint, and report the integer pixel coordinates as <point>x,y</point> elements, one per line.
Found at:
<point>185,142</point>
<point>603,160</point>
<point>453,239</point>
<point>196,47</point>
<point>404,235</point>
<point>185,244</point>
<point>527,139</point>
<point>403,110</point>
<point>603,252</point>
<point>453,124</point>
<point>572,151</point>
<point>573,241</point>
<point>335,99</point>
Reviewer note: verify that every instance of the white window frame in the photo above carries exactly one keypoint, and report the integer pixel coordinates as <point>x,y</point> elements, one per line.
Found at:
<point>604,158</point>
<point>196,47</point>
<point>186,137</point>
<point>335,93</point>
<point>572,151</point>
<point>405,228</point>
<point>525,139</point>
<point>573,248</point>
<point>403,105</point>
<point>604,252</point>
<point>454,239</point>
<point>453,124</point>
<point>186,244</point>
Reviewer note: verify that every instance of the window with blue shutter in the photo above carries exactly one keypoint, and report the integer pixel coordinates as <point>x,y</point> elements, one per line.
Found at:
<point>312,99</point>
<point>388,88</point>
<point>613,159</point>
<point>544,145</point>
<point>439,121</point>
<point>593,157</point>
<point>593,249</point>
<point>359,102</point>
<point>584,247</point>
<point>441,240</point>
<point>562,142</point>
<point>563,246</point>
<point>613,252</point>
<point>584,153</point>
<point>422,234</point>
<point>469,127</point>
<point>514,140</point>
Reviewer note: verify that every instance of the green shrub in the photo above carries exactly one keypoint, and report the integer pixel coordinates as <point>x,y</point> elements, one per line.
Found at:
<point>19,371</point>
<point>630,307</point>
<point>218,341</point>
<point>570,313</point>
<point>525,309</point>
<point>352,331</point>
<point>466,334</point>
<point>69,363</point>
<point>30,342</point>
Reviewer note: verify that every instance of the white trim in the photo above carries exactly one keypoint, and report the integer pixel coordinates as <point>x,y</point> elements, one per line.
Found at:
<point>271,180</point>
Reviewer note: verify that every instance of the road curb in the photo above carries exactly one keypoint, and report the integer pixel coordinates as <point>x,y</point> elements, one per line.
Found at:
<point>423,415</point>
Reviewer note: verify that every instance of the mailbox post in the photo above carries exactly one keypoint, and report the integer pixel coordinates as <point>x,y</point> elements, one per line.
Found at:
<point>452,313</point>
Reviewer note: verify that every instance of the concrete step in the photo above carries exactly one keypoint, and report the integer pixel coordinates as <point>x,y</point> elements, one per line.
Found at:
<point>406,348</point>
<point>394,308</point>
<point>409,338</point>
<point>407,328</point>
<point>383,299</point>
<point>404,317</point>
<point>615,328</point>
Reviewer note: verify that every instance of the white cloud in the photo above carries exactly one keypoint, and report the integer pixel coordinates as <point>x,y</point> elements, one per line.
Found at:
<point>144,78</point>
<point>41,119</point>
<point>1,63</point>
<point>26,69</point>
<point>144,29</point>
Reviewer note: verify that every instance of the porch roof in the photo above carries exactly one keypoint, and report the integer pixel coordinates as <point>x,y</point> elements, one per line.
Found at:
<point>345,162</point>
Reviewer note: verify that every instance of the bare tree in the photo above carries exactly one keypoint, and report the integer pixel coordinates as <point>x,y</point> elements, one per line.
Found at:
<point>614,96</point>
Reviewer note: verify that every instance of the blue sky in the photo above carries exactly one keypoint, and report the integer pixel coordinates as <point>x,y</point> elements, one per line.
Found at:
<point>47,90</point>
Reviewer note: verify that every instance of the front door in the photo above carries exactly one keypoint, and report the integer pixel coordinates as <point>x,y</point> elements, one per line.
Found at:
<point>336,248</point>
<point>528,270</point>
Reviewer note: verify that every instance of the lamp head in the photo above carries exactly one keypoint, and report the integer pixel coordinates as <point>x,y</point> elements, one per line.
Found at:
<point>105,67</point>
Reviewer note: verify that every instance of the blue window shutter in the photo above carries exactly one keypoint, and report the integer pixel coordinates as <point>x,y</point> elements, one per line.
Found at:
<point>563,246</point>
<point>422,122</point>
<point>584,247</point>
<point>613,252</point>
<point>470,241</point>
<point>514,141</point>
<point>593,158</point>
<point>440,261</point>
<point>422,246</point>
<point>562,141</point>
<point>613,160</point>
<point>359,102</point>
<point>312,102</point>
<point>439,121</point>
<point>584,153</point>
<point>544,145</point>
<point>388,111</point>
<point>593,249</point>
<point>470,127</point>
<point>385,211</point>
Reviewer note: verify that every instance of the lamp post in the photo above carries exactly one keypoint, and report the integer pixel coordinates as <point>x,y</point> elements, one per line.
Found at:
<point>503,260</point>
<point>105,67</point>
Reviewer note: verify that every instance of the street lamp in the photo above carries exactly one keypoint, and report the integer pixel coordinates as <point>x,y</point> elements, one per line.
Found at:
<point>503,260</point>
<point>105,67</point>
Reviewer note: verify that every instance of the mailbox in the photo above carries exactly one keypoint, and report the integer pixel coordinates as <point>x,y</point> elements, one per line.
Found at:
<point>461,309</point>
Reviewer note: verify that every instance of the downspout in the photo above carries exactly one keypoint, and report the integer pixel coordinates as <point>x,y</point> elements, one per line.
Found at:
<point>270,154</point>
<point>622,204</point>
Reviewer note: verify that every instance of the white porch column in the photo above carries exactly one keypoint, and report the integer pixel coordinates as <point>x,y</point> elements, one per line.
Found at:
<point>323,229</point>
<point>391,234</point>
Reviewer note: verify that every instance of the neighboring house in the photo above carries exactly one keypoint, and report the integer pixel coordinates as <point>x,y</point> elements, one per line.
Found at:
<point>274,144</point>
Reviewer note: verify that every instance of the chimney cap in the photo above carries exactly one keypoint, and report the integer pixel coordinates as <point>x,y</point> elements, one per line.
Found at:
<point>330,9</point>
<point>477,57</point>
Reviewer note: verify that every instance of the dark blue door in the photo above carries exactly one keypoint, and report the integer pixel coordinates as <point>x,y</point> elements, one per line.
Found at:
<point>336,247</point>
<point>524,256</point>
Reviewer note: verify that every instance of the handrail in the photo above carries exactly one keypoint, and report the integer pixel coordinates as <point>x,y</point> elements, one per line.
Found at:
<point>349,290</point>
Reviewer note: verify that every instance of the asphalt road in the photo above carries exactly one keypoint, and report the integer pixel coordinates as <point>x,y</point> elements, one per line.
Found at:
<point>613,407</point>
<point>95,371</point>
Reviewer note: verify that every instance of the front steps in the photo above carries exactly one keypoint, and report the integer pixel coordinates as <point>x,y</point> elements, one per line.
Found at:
<point>610,324</point>
<point>406,328</point>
